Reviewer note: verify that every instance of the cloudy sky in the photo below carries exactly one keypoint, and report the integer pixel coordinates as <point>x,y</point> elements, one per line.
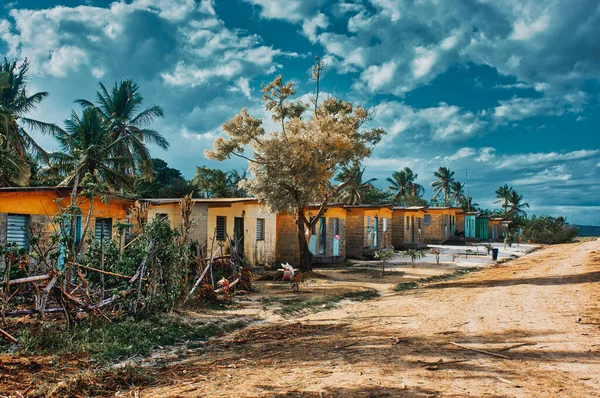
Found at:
<point>508,90</point>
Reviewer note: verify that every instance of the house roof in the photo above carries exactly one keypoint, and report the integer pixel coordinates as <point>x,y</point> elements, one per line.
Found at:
<point>367,206</point>
<point>63,191</point>
<point>203,200</point>
<point>409,207</point>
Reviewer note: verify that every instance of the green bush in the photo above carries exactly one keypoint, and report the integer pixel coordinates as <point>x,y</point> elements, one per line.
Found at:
<point>549,230</point>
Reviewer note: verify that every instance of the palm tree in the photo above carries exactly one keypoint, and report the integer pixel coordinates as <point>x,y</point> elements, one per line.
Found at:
<point>119,110</point>
<point>444,178</point>
<point>88,147</point>
<point>403,184</point>
<point>468,205</point>
<point>15,103</point>
<point>458,192</point>
<point>516,206</point>
<point>355,189</point>
<point>503,195</point>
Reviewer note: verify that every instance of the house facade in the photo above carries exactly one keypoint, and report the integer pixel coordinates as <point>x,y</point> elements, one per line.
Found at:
<point>368,228</point>
<point>244,220</point>
<point>482,227</point>
<point>469,223</point>
<point>326,241</point>
<point>29,211</point>
<point>408,227</point>
<point>439,223</point>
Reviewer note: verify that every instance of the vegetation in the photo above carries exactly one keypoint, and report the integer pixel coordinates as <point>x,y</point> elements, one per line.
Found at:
<point>414,254</point>
<point>323,303</point>
<point>406,192</point>
<point>282,163</point>
<point>128,337</point>
<point>443,184</point>
<point>356,189</point>
<point>549,230</point>
<point>384,255</point>
<point>404,286</point>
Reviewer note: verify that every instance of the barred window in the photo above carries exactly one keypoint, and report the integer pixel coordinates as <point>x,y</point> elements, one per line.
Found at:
<point>427,219</point>
<point>336,225</point>
<point>221,227</point>
<point>161,217</point>
<point>260,229</point>
<point>385,225</point>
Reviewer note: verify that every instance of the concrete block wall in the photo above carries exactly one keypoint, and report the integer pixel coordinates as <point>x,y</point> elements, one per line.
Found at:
<point>355,234</point>
<point>287,248</point>
<point>398,229</point>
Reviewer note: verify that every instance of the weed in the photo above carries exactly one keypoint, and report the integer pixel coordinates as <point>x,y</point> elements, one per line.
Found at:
<point>404,286</point>
<point>323,303</point>
<point>129,337</point>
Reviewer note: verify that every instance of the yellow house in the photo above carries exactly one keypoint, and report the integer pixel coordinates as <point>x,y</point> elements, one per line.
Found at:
<point>221,220</point>
<point>439,223</point>
<point>368,227</point>
<point>408,223</point>
<point>326,241</point>
<point>27,211</point>
<point>247,222</point>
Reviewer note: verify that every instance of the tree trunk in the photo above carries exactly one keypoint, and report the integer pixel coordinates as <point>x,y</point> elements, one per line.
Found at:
<point>305,255</point>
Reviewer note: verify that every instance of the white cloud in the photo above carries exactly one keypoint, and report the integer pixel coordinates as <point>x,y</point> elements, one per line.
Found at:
<point>377,77</point>
<point>523,30</point>
<point>486,154</point>
<point>442,123</point>
<point>311,26</point>
<point>422,65</point>
<point>540,159</point>
<point>461,153</point>
<point>551,175</point>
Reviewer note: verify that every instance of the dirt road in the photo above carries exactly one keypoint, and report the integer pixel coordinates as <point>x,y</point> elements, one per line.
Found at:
<point>535,323</point>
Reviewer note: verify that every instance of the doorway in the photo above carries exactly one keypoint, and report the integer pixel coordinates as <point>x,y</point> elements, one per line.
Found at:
<point>238,234</point>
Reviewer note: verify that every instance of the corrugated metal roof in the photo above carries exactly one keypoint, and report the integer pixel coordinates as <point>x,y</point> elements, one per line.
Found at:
<point>202,200</point>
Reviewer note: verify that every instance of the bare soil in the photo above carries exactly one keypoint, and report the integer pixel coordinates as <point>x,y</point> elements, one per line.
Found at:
<point>535,322</point>
<point>528,327</point>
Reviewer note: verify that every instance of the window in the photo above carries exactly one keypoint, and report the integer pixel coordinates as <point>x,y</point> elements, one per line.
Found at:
<point>260,229</point>
<point>369,222</point>
<point>221,225</point>
<point>427,219</point>
<point>16,230</point>
<point>385,225</point>
<point>103,228</point>
<point>161,217</point>
<point>336,226</point>
<point>407,222</point>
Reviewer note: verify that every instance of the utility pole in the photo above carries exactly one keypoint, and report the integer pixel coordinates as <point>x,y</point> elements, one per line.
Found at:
<point>468,193</point>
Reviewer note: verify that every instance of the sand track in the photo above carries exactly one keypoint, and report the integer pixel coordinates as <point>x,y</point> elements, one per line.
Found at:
<point>541,311</point>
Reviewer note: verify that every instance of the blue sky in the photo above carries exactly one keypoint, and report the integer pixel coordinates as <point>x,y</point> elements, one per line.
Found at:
<point>508,90</point>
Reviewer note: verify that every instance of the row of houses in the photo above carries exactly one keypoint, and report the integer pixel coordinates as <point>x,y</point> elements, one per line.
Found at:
<point>343,231</point>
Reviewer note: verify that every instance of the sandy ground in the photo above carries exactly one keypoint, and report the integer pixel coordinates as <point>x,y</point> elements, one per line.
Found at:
<point>535,321</point>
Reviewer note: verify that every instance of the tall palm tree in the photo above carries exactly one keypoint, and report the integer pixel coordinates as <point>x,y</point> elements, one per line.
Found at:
<point>15,104</point>
<point>403,184</point>
<point>458,192</point>
<point>444,178</point>
<point>503,195</point>
<point>88,147</point>
<point>356,188</point>
<point>516,205</point>
<point>120,111</point>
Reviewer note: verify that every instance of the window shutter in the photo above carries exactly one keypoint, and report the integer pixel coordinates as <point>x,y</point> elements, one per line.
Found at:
<point>221,227</point>
<point>260,229</point>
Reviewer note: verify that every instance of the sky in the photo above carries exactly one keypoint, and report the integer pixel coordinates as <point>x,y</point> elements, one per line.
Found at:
<point>506,92</point>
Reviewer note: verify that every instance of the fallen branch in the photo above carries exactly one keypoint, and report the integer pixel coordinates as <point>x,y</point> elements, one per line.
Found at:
<point>31,312</point>
<point>209,265</point>
<point>235,282</point>
<point>515,346</point>
<point>29,279</point>
<point>8,336</point>
<point>481,351</point>
<point>101,271</point>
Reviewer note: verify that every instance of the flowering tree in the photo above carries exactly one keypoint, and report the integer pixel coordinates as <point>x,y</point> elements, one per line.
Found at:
<point>293,167</point>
